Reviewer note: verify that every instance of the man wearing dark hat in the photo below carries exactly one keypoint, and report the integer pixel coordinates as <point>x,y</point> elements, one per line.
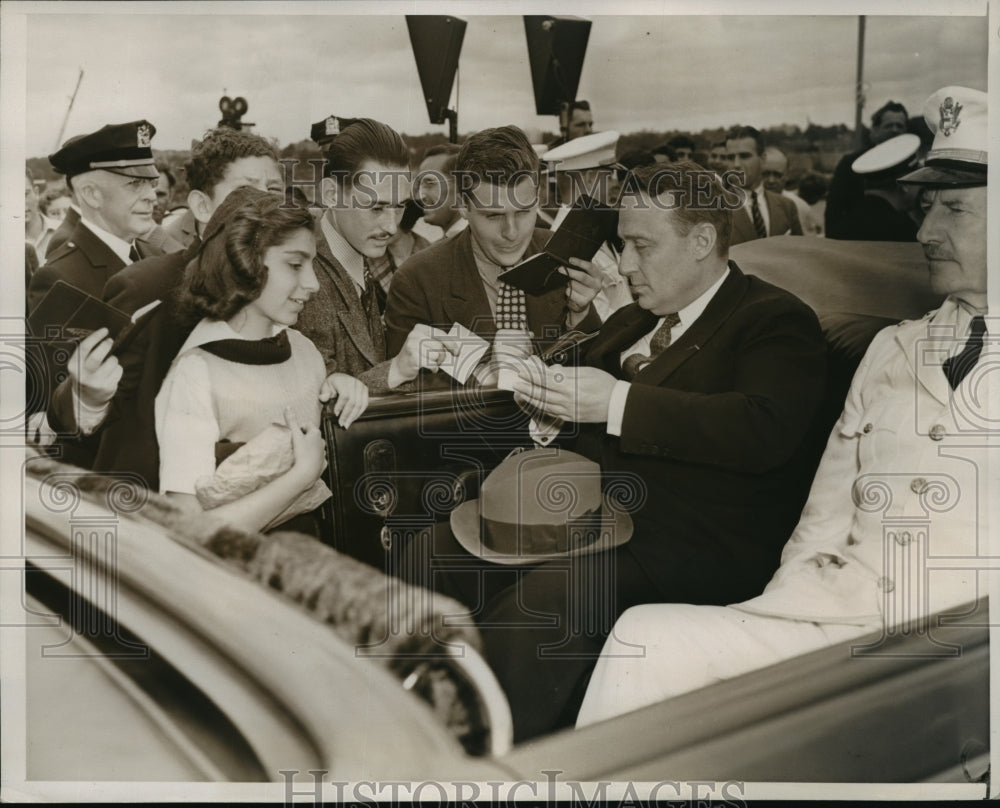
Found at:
<point>112,175</point>
<point>697,397</point>
<point>119,418</point>
<point>900,486</point>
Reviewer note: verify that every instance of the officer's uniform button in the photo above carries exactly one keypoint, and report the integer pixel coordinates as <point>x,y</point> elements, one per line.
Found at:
<point>918,484</point>
<point>868,428</point>
<point>886,584</point>
<point>938,432</point>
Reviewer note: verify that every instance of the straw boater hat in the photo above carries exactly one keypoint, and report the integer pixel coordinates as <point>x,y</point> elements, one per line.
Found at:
<point>539,505</point>
<point>958,157</point>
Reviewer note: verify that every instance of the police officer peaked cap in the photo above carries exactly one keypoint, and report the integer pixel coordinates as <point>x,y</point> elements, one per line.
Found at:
<point>324,131</point>
<point>122,148</point>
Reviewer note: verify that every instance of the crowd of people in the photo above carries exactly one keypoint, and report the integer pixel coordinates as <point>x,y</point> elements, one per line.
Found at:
<point>264,298</point>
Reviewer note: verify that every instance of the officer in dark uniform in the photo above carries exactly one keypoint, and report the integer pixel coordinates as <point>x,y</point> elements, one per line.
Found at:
<point>113,177</point>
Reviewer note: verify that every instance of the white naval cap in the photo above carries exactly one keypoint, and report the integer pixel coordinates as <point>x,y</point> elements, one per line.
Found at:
<point>590,151</point>
<point>958,156</point>
<point>893,152</point>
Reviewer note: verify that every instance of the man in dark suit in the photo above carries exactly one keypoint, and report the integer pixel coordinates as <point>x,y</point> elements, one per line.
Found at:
<point>764,213</point>
<point>121,430</point>
<point>112,175</point>
<point>457,280</point>
<point>699,393</point>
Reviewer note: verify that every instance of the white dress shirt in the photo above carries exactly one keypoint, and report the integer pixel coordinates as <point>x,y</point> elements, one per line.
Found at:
<point>350,259</point>
<point>119,247</point>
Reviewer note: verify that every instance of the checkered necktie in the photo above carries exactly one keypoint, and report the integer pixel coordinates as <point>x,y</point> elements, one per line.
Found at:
<point>957,367</point>
<point>512,309</point>
<point>758,220</point>
<point>657,344</point>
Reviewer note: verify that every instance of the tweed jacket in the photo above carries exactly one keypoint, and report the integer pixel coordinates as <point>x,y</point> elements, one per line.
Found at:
<point>335,321</point>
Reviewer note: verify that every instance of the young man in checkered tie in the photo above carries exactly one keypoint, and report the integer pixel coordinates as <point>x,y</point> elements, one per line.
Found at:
<point>457,280</point>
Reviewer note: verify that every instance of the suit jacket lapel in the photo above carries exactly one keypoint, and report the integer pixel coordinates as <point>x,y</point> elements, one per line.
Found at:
<point>742,226</point>
<point>625,328</point>
<point>99,254</point>
<point>779,224</point>
<point>701,330</point>
<point>465,300</point>
<point>348,307</point>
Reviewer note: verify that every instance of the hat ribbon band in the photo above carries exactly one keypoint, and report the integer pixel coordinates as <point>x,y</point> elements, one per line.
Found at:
<point>546,539</point>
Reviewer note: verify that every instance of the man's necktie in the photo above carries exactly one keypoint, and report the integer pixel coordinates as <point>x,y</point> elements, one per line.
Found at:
<point>369,300</point>
<point>758,220</point>
<point>957,367</point>
<point>133,254</point>
<point>512,309</point>
<point>657,344</point>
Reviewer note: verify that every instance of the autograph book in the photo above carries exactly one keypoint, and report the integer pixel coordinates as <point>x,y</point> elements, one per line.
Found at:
<point>586,227</point>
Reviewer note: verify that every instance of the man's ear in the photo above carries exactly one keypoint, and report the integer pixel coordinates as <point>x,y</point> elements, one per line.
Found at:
<point>201,206</point>
<point>330,192</point>
<point>702,238</point>
<point>89,193</point>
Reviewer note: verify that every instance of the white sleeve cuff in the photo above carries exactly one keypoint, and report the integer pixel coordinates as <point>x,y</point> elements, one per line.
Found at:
<point>616,407</point>
<point>544,429</point>
<point>39,432</point>
<point>88,418</point>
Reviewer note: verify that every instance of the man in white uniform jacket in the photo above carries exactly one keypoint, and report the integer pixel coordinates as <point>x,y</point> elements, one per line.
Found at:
<point>895,525</point>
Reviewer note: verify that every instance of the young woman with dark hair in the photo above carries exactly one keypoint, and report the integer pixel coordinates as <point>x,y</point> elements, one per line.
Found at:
<point>243,369</point>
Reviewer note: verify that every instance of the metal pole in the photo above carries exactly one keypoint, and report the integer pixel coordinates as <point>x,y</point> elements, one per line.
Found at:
<point>859,87</point>
<point>62,129</point>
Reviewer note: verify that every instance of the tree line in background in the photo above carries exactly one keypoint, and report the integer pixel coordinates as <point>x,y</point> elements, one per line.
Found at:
<point>815,148</point>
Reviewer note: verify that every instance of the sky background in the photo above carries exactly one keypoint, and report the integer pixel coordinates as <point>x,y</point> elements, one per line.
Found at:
<point>641,72</point>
